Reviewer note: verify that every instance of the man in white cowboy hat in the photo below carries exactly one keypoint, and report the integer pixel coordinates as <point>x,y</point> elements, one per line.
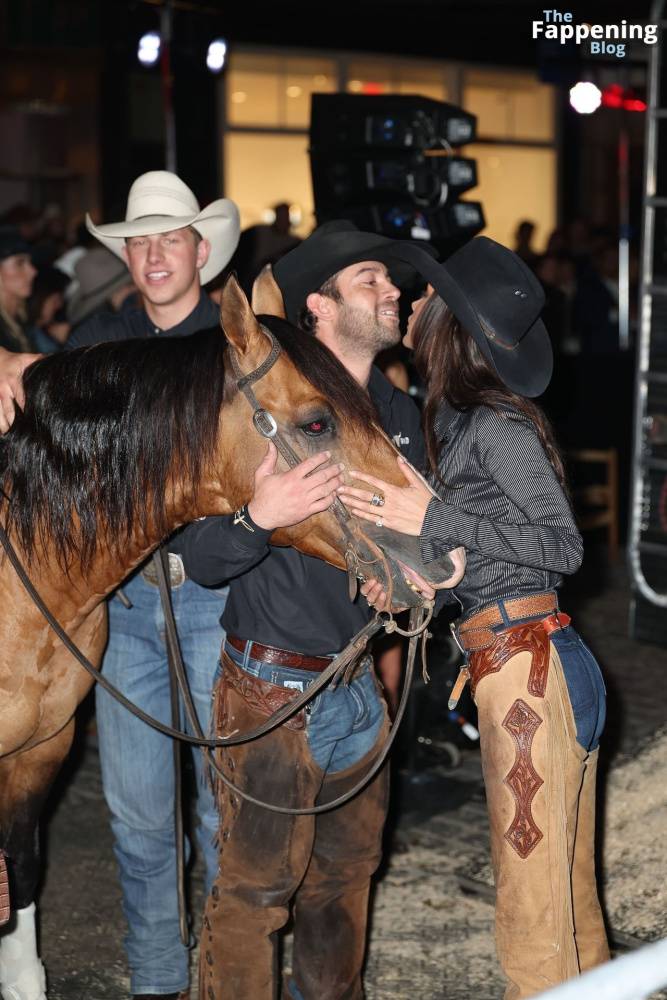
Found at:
<point>171,248</point>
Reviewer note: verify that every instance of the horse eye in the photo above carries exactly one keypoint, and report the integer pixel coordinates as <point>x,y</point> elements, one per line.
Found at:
<point>314,428</point>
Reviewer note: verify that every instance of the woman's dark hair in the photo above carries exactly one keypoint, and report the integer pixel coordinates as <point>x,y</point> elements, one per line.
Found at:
<point>455,369</point>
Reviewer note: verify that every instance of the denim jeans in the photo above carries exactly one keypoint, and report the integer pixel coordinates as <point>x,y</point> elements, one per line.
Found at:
<point>322,864</point>
<point>137,770</point>
<point>342,724</point>
<point>584,684</point>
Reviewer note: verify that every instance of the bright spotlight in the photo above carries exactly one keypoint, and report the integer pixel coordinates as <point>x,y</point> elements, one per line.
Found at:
<point>585,98</point>
<point>216,55</point>
<point>148,51</point>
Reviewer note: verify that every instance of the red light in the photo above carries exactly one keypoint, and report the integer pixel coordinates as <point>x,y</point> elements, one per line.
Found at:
<point>372,88</point>
<point>614,96</point>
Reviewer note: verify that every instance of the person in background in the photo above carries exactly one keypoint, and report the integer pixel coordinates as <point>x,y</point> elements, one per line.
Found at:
<point>485,354</point>
<point>16,279</point>
<point>524,238</point>
<point>47,328</point>
<point>103,284</point>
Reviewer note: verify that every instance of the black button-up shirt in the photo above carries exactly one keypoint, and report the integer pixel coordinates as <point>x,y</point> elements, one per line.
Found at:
<point>279,596</point>
<point>500,498</point>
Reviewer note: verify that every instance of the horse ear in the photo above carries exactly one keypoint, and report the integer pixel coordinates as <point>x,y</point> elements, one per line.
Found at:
<point>237,318</point>
<point>267,299</point>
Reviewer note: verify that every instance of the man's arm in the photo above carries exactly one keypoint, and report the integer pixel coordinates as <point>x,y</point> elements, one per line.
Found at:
<point>219,548</point>
<point>12,366</point>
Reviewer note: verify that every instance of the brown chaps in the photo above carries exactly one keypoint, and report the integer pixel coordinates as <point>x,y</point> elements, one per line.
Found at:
<point>540,787</point>
<point>322,864</point>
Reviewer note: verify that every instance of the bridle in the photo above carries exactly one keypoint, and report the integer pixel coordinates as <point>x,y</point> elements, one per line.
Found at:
<point>267,426</point>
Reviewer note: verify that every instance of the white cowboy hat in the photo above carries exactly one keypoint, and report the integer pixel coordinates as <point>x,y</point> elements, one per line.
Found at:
<point>158,202</point>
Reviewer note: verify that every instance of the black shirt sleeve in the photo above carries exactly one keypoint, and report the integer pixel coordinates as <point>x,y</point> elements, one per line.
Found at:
<point>216,549</point>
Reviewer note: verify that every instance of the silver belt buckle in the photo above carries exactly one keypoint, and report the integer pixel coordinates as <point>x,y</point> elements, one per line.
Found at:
<point>177,574</point>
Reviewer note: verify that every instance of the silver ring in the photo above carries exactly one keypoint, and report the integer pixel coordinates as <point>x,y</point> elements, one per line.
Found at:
<point>379,522</point>
<point>377,500</point>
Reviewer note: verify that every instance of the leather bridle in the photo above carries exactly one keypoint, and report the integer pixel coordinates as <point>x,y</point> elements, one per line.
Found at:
<point>267,426</point>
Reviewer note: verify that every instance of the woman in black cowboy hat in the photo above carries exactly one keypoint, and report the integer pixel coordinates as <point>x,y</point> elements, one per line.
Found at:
<point>484,353</point>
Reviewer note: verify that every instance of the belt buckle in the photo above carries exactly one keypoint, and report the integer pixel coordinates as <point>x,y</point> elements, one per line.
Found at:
<point>177,575</point>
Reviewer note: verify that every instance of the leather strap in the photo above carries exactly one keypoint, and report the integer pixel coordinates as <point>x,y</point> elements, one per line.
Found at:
<point>5,908</point>
<point>476,632</point>
<point>280,657</point>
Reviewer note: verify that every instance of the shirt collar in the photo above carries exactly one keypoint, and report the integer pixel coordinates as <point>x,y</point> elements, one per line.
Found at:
<point>203,316</point>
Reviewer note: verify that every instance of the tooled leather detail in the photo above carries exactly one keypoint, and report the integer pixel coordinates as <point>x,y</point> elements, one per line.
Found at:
<point>523,833</point>
<point>530,638</point>
<point>5,908</point>
<point>263,697</point>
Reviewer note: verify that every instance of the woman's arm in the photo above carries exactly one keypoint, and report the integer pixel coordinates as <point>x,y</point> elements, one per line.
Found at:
<point>511,454</point>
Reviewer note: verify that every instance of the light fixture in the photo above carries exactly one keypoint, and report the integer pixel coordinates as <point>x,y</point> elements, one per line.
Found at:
<point>585,97</point>
<point>294,91</point>
<point>216,55</point>
<point>148,51</point>
<point>239,97</point>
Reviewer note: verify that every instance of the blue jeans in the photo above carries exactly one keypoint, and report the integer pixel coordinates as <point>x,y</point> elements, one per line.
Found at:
<point>342,725</point>
<point>137,770</point>
<point>585,686</point>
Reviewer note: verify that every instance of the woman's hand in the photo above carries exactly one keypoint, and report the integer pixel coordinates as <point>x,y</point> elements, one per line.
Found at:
<point>404,507</point>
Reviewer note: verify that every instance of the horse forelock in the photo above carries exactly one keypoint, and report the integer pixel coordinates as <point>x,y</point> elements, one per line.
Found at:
<point>102,431</point>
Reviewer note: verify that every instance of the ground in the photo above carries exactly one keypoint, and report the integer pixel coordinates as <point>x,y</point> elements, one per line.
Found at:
<point>432,926</point>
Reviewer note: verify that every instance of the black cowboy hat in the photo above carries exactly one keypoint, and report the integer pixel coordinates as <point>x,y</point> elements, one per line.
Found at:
<point>330,248</point>
<point>498,300</point>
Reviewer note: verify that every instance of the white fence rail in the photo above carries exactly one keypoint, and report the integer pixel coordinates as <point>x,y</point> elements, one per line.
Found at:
<point>633,977</point>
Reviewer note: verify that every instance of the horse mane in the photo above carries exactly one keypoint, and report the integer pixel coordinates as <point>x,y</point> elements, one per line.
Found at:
<point>103,427</point>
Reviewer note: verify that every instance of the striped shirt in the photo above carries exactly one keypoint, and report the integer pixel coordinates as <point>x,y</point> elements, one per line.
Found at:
<point>500,498</point>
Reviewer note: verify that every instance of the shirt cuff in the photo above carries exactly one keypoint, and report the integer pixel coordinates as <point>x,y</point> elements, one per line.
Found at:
<point>436,537</point>
<point>248,534</point>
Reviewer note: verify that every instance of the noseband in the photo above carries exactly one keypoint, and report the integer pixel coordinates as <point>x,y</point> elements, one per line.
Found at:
<point>267,426</point>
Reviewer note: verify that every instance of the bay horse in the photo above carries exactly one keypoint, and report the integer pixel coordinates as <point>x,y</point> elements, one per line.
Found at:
<point>117,446</point>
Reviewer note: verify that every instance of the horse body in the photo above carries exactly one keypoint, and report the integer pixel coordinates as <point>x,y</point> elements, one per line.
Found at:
<point>118,446</point>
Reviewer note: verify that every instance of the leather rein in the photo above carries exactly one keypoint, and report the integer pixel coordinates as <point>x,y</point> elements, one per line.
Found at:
<point>342,666</point>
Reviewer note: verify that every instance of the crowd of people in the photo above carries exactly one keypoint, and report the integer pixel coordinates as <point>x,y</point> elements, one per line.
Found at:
<point>496,490</point>
<point>579,273</point>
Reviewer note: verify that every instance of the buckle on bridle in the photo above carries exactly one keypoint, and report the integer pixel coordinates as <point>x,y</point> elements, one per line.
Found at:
<point>265,423</point>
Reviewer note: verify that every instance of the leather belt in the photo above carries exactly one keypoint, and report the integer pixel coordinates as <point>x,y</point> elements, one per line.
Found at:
<point>177,574</point>
<point>476,632</point>
<point>280,657</point>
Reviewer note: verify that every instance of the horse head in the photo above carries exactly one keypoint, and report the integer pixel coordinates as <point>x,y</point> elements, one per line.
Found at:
<point>299,395</point>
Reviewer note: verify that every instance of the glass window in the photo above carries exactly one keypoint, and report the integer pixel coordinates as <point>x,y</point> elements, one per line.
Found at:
<point>275,90</point>
<point>256,187</point>
<point>378,76</point>
<point>515,183</point>
<point>509,105</point>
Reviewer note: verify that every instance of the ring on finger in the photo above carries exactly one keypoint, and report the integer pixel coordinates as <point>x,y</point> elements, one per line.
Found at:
<point>379,522</point>
<point>377,500</point>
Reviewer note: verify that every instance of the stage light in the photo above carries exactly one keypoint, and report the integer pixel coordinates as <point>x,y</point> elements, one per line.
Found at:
<point>216,55</point>
<point>585,98</point>
<point>148,51</point>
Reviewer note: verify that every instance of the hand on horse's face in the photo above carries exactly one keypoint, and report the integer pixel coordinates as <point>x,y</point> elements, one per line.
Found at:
<point>282,499</point>
<point>12,366</point>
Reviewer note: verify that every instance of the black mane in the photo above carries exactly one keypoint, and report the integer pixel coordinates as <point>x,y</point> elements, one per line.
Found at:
<point>103,426</point>
<point>101,429</point>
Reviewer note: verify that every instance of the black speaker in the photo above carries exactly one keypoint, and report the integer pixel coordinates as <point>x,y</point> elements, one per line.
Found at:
<point>388,163</point>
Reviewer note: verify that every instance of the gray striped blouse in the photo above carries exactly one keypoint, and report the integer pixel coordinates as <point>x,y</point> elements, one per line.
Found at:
<point>500,498</point>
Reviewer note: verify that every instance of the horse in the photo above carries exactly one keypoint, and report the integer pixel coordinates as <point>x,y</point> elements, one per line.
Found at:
<point>117,446</point>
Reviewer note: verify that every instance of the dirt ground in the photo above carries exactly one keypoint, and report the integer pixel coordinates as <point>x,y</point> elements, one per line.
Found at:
<point>429,939</point>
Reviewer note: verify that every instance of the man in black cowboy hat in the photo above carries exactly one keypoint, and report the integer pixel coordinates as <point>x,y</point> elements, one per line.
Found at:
<point>286,616</point>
